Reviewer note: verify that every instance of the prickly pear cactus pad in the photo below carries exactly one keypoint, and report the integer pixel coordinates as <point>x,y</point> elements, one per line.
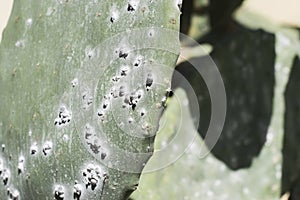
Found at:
<point>82,88</point>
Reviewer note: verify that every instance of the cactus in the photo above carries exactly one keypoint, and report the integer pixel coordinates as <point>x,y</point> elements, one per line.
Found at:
<point>81,87</point>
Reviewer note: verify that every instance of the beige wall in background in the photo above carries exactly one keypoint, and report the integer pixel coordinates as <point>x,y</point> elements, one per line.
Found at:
<point>285,12</point>
<point>5,8</point>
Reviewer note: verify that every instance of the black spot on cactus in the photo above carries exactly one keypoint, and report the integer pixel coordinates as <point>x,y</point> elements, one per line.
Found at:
<point>149,81</point>
<point>77,191</point>
<point>122,91</point>
<point>130,8</point>
<point>103,156</point>
<point>59,193</point>
<point>123,54</point>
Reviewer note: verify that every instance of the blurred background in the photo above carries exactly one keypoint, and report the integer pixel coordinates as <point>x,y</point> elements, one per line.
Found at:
<point>256,46</point>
